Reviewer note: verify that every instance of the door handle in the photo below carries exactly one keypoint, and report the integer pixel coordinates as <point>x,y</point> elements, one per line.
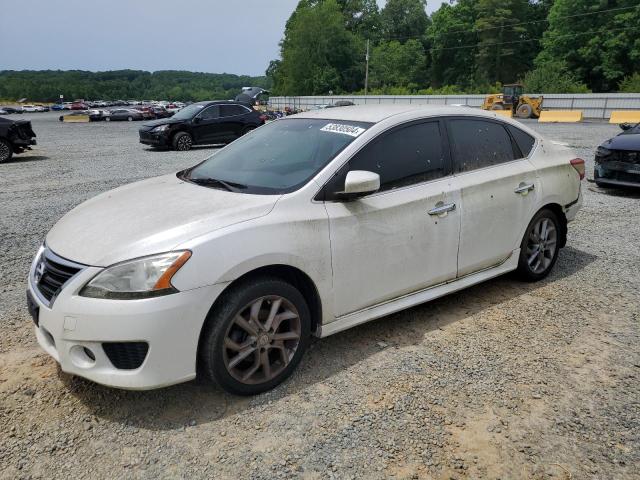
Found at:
<point>442,209</point>
<point>524,188</point>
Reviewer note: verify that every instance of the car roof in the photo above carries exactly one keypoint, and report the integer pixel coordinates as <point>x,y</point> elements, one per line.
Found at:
<point>379,112</point>
<point>215,102</point>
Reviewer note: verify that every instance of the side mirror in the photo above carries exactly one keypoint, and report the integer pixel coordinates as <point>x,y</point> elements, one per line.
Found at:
<point>625,126</point>
<point>197,119</point>
<point>358,184</point>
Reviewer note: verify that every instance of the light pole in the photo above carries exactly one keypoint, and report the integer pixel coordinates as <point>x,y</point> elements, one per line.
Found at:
<point>366,72</point>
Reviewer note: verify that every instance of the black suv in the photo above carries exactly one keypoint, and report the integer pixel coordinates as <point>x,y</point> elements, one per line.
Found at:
<point>203,123</point>
<point>16,136</point>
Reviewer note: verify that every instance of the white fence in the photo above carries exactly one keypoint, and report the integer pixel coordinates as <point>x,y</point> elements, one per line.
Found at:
<point>593,105</point>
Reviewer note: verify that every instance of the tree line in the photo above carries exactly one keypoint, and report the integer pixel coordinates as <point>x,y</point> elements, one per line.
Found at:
<point>48,85</point>
<point>466,46</point>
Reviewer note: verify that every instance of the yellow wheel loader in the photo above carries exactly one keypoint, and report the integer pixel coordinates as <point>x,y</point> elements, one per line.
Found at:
<point>512,98</point>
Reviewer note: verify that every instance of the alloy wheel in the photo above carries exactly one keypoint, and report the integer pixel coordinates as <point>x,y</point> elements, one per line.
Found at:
<point>541,245</point>
<point>262,339</point>
<point>184,143</point>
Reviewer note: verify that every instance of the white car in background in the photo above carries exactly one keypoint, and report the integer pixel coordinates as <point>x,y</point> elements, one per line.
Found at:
<point>309,225</point>
<point>30,108</point>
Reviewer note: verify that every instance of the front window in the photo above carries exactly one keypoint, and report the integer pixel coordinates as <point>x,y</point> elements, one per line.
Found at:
<point>277,158</point>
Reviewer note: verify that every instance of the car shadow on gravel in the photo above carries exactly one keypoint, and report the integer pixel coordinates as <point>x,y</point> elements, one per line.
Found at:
<point>198,402</point>
<point>623,192</point>
<point>26,158</point>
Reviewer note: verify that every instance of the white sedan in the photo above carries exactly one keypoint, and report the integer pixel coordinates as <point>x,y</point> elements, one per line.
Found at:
<point>307,226</point>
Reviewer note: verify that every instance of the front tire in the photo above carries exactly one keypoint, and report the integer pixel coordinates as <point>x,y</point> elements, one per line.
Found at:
<point>524,111</point>
<point>6,151</point>
<point>182,142</point>
<point>255,337</point>
<point>539,247</point>
<point>130,119</point>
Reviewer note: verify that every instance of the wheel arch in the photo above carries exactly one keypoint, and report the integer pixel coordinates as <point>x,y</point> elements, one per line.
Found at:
<point>287,273</point>
<point>562,218</point>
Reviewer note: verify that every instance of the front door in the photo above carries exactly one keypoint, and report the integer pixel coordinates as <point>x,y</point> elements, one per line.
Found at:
<point>404,237</point>
<point>206,125</point>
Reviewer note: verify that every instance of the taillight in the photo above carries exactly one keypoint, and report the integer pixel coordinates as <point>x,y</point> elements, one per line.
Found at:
<point>578,164</point>
<point>263,118</point>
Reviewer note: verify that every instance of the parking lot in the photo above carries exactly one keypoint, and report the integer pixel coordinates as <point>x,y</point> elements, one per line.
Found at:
<point>503,380</point>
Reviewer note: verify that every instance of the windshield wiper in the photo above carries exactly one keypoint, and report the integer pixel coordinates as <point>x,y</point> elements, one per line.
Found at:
<point>210,182</point>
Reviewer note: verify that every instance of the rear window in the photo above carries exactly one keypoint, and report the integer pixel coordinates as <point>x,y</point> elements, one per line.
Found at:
<point>524,140</point>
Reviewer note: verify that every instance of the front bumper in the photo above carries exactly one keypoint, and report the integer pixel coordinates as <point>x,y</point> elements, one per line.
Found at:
<point>154,139</point>
<point>617,172</point>
<point>170,325</point>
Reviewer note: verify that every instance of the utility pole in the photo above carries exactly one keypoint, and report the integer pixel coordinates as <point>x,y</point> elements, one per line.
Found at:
<point>366,72</point>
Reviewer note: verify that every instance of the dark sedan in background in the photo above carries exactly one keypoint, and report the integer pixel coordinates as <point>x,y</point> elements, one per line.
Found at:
<point>617,161</point>
<point>129,114</point>
<point>203,123</point>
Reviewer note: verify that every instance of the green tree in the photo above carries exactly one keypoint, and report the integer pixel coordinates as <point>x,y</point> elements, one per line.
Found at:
<point>404,19</point>
<point>553,78</point>
<point>362,17</point>
<point>501,35</point>
<point>318,53</point>
<point>450,34</point>
<point>47,85</point>
<point>597,40</point>
<point>630,84</point>
<point>395,64</point>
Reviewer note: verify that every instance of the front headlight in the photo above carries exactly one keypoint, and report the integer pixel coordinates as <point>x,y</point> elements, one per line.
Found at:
<point>603,151</point>
<point>140,278</point>
<point>161,128</point>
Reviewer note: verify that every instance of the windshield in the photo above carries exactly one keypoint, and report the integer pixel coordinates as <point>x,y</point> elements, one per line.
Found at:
<point>277,158</point>
<point>189,112</point>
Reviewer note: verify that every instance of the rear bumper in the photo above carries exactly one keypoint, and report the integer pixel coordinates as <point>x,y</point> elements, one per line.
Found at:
<point>571,210</point>
<point>169,325</point>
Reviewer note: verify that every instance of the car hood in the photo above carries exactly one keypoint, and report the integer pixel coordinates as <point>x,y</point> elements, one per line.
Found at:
<point>161,121</point>
<point>624,141</point>
<point>147,217</point>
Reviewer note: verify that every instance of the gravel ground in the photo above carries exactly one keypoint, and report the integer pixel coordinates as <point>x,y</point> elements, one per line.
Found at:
<point>503,380</point>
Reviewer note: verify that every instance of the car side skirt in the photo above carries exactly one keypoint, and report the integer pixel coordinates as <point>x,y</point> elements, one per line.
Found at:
<point>412,299</point>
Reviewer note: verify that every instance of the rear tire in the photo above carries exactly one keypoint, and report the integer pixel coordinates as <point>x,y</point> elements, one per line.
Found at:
<point>182,142</point>
<point>107,119</point>
<point>524,111</point>
<point>255,337</point>
<point>6,151</point>
<point>539,247</point>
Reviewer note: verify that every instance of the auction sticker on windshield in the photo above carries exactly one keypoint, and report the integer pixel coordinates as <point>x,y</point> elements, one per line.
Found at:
<point>344,129</point>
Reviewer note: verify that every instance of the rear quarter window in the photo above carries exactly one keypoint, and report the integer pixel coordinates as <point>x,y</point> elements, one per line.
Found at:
<point>524,141</point>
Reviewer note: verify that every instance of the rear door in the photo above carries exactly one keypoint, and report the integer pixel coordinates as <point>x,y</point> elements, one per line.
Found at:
<point>207,128</point>
<point>394,242</point>
<point>233,121</point>
<point>499,190</point>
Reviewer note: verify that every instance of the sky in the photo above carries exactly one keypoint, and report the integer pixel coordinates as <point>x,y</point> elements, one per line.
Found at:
<point>216,36</point>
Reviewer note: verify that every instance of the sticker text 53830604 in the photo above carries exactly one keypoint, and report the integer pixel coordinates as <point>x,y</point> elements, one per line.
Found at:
<point>344,129</point>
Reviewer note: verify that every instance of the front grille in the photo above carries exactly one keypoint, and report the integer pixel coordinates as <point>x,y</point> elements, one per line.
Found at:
<point>619,157</point>
<point>52,273</point>
<point>126,355</point>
